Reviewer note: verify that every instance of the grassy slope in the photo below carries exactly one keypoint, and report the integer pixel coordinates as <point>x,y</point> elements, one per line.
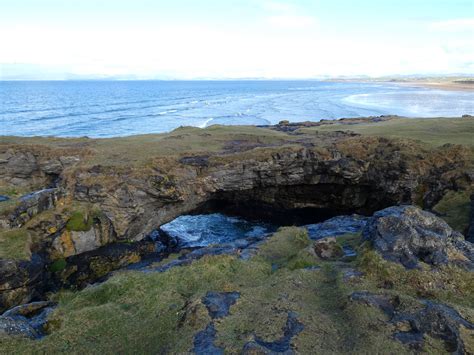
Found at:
<point>433,131</point>
<point>135,312</point>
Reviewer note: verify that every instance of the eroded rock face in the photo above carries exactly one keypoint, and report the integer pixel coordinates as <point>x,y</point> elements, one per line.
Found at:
<point>408,235</point>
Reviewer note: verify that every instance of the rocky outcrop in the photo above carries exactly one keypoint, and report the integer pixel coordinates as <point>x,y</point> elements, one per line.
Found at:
<point>408,235</point>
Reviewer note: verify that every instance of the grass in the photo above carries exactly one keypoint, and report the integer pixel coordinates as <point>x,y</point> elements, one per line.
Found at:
<point>14,244</point>
<point>448,284</point>
<point>455,208</point>
<point>433,131</point>
<point>136,312</point>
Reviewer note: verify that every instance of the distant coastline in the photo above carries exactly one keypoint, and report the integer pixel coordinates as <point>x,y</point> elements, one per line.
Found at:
<point>440,83</point>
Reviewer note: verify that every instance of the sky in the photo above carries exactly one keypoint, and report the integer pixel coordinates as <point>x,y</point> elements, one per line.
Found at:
<point>225,39</point>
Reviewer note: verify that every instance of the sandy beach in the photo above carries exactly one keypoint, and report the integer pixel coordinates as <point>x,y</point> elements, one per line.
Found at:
<point>442,85</point>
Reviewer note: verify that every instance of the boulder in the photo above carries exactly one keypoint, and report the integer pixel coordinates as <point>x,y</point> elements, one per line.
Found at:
<point>327,248</point>
<point>408,235</point>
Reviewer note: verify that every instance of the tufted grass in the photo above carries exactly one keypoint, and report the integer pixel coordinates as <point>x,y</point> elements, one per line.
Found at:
<point>14,244</point>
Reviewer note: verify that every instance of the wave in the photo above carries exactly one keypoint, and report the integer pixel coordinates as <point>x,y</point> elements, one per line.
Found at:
<point>205,123</point>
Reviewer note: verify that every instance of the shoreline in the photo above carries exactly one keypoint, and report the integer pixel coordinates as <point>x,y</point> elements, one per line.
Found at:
<point>431,84</point>
<point>440,85</point>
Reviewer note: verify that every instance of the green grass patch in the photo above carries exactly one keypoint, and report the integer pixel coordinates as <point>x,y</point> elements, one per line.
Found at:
<point>58,265</point>
<point>14,244</point>
<point>455,208</point>
<point>287,248</point>
<point>79,222</point>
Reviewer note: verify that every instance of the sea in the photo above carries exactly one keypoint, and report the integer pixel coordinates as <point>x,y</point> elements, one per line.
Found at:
<point>120,108</point>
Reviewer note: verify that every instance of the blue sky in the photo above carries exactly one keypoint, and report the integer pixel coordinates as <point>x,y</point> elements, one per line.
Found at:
<point>41,39</point>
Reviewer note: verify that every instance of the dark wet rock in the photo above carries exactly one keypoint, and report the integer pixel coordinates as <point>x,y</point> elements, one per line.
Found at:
<point>437,320</point>
<point>281,346</point>
<point>21,281</point>
<point>204,342</point>
<point>195,160</point>
<point>83,269</point>
<point>327,248</point>
<point>218,303</point>
<point>4,198</point>
<point>337,226</point>
<point>414,340</point>
<point>408,235</point>
<point>470,233</point>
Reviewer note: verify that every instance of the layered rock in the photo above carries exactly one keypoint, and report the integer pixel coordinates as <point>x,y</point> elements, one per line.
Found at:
<point>273,182</point>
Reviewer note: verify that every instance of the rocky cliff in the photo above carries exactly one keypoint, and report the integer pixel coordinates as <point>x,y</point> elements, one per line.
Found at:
<point>99,193</point>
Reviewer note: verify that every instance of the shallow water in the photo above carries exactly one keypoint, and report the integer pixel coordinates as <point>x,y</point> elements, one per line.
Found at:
<point>119,108</point>
<point>210,229</point>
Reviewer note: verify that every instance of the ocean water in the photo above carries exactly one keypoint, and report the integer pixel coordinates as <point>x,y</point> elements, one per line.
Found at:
<point>119,108</point>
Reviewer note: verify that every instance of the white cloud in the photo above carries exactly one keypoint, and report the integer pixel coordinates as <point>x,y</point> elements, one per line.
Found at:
<point>190,51</point>
<point>461,24</point>
<point>291,21</point>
